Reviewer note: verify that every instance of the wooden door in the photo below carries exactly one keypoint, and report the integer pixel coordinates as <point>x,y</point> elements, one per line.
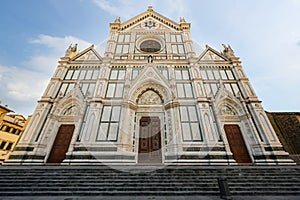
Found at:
<point>150,140</point>
<point>237,143</point>
<point>61,144</point>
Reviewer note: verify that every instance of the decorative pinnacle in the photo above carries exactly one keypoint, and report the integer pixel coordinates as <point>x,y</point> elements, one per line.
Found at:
<point>150,8</point>
<point>118,20</point>
<point>182,20</point>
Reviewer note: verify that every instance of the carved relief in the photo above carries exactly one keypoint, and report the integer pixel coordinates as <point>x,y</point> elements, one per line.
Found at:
<point>71,111</point>
<point>226,110</point>
<point>160,90</point>
<point>149,98</point>
<point>209,55</point>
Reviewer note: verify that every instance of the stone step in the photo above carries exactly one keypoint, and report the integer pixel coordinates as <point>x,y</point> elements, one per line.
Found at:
<point>143,193</point>
<point>169,181</point>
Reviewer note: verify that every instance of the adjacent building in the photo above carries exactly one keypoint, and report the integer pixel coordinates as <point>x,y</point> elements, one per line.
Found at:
<point>287,128</point>
<point>149,99</point>
<point>11,128</point>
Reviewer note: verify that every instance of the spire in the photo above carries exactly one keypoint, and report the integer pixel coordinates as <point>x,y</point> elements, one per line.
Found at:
<point>182,20</point>
<point>118,20</point>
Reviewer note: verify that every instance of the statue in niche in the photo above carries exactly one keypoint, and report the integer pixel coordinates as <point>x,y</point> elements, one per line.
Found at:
<point>150,59</point>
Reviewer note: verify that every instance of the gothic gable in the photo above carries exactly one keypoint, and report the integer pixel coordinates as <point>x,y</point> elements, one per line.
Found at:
<point>209,54</point>
<point>150,78</point>
<point>71,104</point>
<point>149,24</point>
<point>150,20</point>
<point>88,55</point>
<point>227,103</point>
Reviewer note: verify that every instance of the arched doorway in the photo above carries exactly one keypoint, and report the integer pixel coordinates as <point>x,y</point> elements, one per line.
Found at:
<point>150,115</point>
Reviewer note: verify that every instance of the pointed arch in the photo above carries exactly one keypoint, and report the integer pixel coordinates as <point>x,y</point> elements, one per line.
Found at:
<point>71,104</point>
<point>161,91</point>
<point>150,96</point>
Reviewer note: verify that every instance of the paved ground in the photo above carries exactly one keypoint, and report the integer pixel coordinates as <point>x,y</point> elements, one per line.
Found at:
<point>155,198</point>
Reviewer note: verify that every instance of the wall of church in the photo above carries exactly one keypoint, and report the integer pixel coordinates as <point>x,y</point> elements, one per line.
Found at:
<point>149,81</point>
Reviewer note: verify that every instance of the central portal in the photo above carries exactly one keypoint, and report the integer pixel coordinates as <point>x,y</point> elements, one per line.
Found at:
<point>150,140</point>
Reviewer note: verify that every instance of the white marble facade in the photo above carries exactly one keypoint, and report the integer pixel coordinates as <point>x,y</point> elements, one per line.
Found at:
<point>149,69</point>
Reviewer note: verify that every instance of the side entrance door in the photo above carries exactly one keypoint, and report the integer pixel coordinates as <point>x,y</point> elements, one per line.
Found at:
<point>150,141</point>
<point>61,143</point>
<point>237,143</point>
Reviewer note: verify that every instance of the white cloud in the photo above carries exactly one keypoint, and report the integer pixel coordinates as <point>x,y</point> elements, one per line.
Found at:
<point>42,63</point>
<point>47,63</point>
<point>59,44</point>
<point>22,86</point>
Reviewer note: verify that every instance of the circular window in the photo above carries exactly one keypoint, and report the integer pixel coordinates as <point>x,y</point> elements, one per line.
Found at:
<point>150,46</point>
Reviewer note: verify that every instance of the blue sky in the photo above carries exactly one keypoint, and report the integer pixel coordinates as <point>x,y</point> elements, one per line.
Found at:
<point>265,34</point>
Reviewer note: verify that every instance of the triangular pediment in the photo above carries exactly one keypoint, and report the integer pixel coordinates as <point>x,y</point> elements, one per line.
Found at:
<point>227,103</point>
<point>151,20</point>
<point>150,24</point>
<point>71,103</point>
<point>150,73</point>
<point>150,77</point>
<point>88,55</point>
<point>209,54</point>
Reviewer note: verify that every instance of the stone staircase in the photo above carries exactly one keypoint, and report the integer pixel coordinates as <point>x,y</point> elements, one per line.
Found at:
<point>90,181</point>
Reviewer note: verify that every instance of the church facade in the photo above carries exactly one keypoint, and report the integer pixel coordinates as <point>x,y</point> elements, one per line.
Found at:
<point>149,100</point>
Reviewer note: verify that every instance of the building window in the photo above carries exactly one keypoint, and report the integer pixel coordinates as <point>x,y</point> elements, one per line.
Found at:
<point>217,74</point>
<point>2,145</point>
<point>82,74</point>
<point>190,124</point>
<point>176,38</point>
<point>87,89</point>
<point>150,46</point>
<point>178,49</point>
<point>115,90</point>
<point>122,48</point>
<point>182,74</point>
<point>109,124</point>
<point>164,72</point>
<point>65,88</point>
<point>8,129</point>
<point>124,38</point>
<point>211,88</point>
<point>184,90</point>
<point>9,146</point>
<point>135,72</point>
<point>233,88</point>
<point>14,131</point>
<point>117,74</point>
